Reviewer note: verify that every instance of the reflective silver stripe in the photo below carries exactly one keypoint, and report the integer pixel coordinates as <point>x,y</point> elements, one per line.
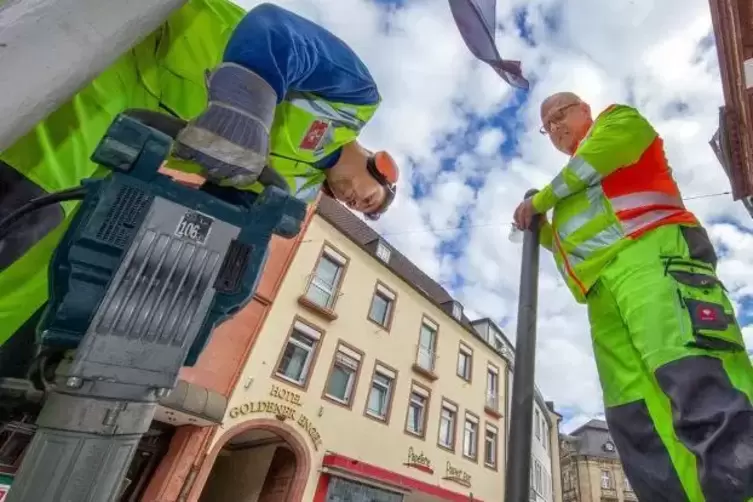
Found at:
<point>606,237</point>
<point>342,117</point>
<point>642,199</point>
<point>639,222</point>
<point>584,171</point>
<point>560,188</point>
<point>595,197</point>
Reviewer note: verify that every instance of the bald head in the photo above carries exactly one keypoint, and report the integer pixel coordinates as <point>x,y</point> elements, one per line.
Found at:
<point>566,119</point>
<point>558,100</point>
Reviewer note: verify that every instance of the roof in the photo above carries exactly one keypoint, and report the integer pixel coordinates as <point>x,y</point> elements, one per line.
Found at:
<point>733,143</point>
<point>592,439</point>
<point>367,238</point>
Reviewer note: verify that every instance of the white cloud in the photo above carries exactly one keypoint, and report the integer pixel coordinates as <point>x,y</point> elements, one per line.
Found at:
<point>646,52</point>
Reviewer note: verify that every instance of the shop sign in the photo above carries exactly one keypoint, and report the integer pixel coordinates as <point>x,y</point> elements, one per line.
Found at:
<point>281,410</point>
<point>456,475</point>
<point>418,461</point>
<point>4,489</point>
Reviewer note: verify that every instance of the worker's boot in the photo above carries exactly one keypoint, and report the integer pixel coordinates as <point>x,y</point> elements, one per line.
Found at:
<point>230,139</point>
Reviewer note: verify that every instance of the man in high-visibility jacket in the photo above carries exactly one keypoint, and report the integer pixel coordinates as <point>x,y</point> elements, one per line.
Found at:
<point>676,378</point>
<point>263,87</point>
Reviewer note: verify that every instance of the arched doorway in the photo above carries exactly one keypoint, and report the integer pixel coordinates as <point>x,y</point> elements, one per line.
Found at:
<point>258,461</point>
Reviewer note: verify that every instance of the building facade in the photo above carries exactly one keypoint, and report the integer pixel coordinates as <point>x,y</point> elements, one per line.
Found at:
<point>591,467</point>
<point>733,141</point>
<point>350,376</point>
<point>545,475</point>
<point>367,382</point>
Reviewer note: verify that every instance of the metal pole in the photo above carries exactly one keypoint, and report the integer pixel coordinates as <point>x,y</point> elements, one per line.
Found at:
<point>517,477</point>
<point>51,49</point>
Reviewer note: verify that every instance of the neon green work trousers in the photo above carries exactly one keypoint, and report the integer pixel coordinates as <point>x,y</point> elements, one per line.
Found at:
<point>676,378</point>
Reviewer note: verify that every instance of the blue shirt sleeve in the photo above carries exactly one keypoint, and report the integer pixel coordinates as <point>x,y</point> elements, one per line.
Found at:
<point>293,54</point>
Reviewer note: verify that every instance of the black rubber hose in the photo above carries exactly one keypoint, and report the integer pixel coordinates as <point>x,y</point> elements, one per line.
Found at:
<point>40,202</point>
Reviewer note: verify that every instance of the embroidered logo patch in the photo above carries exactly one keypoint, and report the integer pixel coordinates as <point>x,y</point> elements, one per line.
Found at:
<point>314,135</point>
<point>706,314</point>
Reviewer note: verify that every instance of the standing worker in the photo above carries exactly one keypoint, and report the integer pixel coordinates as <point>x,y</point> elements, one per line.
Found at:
<point>263,87</point>
<point>676,378</point>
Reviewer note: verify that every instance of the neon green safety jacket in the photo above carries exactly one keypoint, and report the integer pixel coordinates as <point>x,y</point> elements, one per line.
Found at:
<point>164,72</point>
<point>616,187</point>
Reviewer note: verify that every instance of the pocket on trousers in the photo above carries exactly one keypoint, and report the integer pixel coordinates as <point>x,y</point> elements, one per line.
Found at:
<point>707,312</point>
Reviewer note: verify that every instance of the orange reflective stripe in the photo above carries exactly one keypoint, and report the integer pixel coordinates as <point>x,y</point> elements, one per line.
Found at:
<point>565,262</point>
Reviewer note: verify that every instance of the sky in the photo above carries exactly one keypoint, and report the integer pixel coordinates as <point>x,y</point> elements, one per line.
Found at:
<point>468,145</point>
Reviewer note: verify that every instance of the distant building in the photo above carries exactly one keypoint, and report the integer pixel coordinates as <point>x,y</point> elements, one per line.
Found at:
<point>733,142</point>
<point>591,468</point>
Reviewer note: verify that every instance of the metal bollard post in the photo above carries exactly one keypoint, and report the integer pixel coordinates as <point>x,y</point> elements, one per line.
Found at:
<point>517,477</point>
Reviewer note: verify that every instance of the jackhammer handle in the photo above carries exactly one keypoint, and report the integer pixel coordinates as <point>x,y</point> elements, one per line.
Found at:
<point>171,126</point>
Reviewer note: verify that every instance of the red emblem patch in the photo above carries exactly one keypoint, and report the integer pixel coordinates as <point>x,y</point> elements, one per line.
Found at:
<point>706,314</point>
<point>314,135</point>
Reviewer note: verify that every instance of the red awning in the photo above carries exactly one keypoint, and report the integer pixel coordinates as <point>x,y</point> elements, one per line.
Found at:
<point>367,472</point>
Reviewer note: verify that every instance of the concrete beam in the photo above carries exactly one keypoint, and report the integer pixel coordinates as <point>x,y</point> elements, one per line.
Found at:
<point>50,49</point>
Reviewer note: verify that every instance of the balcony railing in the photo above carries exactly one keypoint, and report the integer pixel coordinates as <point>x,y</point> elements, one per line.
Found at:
<point>492,401</point>
<point>425,358</point>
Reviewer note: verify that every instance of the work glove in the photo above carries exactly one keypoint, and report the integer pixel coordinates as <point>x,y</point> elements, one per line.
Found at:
<point>230,139</point>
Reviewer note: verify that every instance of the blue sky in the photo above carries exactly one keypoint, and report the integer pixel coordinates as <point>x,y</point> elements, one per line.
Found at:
<point>468,144</point>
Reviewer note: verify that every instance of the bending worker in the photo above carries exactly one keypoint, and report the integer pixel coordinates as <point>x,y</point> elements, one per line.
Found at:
<point>676,379</point>
<point>263,87</point>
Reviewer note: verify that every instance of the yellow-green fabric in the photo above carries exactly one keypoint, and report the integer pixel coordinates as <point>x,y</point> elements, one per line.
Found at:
<point>677,387</point>
<point>587,228</point>
<point>165,72</point>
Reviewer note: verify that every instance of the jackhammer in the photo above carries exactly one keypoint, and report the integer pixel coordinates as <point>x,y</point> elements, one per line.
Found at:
<point>146,270</point>
<point>518,468</point>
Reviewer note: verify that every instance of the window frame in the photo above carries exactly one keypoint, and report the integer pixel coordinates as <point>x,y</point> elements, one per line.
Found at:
<point>426,392</point>
<point>386,293</point>
<point>538,424</point>
<point>490,427</point>
<point>304,327</point>
<point>464,349</point>
<point>385,368</point>
<point>434,325</point>
<point>454,430</point>
<point>359,356</point>
<point>474,419</point>
<point>343,260</point>
<point>609,479</point>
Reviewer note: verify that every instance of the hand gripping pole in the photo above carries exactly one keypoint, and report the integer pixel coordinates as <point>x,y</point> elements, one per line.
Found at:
<point>518,477</point>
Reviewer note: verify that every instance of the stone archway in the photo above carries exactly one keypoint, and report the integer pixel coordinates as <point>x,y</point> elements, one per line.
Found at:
<point>291,451</point>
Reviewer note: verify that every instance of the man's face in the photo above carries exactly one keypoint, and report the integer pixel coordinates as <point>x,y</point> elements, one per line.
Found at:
<point>566,120</point>
<point>359,191</point>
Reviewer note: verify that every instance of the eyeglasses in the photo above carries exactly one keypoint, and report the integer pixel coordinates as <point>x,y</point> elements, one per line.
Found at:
<point>556,117</point>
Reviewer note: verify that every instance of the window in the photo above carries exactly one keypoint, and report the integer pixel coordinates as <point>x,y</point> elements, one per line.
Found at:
<point>496,339</point>
<point>492,388</point>
<point>490,446</point>
<point>447,422</point>
<point>427,340</point>
<point>606,479</point>
<point>538,482</point>
<point>470,436</point>
<point>325,281</point>
<point>298,356</point>
<point>418,403</point>
<point>457,311</point>
<point>382,305</point>
<point>382,388</point>
<point>538,425</point>
<point>465,362</point>
<point>383,252</point>
<point>343,374</point>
